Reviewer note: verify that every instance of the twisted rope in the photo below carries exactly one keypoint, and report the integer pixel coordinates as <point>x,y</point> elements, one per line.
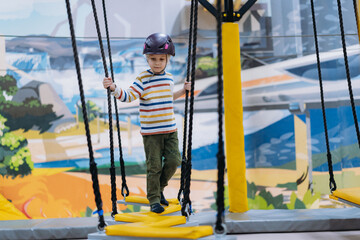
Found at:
<point>121,159</point>
<point>220,155</point>
<point>348,71</point>
<point>332,183</point>
<point>93,168</point>
<point>184,160</point>
<point>112,164</point>
<point>187,202</point>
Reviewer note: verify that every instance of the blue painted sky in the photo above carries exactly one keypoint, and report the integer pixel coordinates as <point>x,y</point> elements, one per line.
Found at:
<point>32,17</point>
<point>48,17</point>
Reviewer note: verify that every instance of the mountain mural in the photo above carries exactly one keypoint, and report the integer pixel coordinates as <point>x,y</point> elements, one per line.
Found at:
<point>46,94</point>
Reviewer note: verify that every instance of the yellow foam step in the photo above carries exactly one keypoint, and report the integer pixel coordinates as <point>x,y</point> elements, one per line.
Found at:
<point>157,220</point>
<point>351,195</point>
<point>140,216</point>
<point>143,230</point>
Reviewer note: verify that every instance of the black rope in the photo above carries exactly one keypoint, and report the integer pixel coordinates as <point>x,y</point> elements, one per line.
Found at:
<point>93,168</point>
<point>184,160</point>
<point>220,155</point>
<point>187,202</point>
<point>332,183</point>
<point>348,72</point>
<point>112,164</point>
<point>121,159</point>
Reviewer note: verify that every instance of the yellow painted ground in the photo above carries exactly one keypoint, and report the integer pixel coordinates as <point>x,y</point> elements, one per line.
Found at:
<point>54,193</point>
<point>270,177</point>
<point>75,130</point>
<point>51,193</point>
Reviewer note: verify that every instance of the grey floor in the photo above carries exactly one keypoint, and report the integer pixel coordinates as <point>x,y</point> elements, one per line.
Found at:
<point>338,235</point>
<point>327,235</point>
<point>319,224</point>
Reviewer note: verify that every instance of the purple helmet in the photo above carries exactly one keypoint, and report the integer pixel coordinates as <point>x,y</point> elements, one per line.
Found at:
<point>158,43</point>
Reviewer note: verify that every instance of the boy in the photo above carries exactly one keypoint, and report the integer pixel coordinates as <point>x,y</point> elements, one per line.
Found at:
<point>154,88</point>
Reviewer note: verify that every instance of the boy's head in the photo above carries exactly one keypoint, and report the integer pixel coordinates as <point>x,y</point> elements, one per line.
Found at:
<point>158,48</point>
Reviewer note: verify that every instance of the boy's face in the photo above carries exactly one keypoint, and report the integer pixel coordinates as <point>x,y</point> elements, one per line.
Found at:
<point>157,62</point>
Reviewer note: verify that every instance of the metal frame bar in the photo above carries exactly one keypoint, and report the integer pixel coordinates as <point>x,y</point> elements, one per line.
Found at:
<point>246,7</point>
<point>229,14</point>
<point>209,7</point>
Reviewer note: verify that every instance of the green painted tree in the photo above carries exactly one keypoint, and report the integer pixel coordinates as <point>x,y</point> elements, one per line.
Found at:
<point>92,111</point>
<point>25,115</point>
<point>207,66</point>
<point>15,157</point>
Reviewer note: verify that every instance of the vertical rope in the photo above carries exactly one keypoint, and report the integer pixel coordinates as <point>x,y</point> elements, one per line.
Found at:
<point>220,155</point>
<point>184,160</point>
<point>348,71</point>
<point>93,168</point>
<point>187,202</point>
<point>331,172</point>
<point>121,159</point>
<point>112,164</point>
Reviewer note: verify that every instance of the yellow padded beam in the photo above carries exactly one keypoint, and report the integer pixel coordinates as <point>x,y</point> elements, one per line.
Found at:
<point>144,200</point>
<point>234,129</point>
<point>351,195</point>
<point>143,230</point>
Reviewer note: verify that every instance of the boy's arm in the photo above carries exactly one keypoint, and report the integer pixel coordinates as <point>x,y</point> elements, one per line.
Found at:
<point>123,95</point>
<point>179,93</point>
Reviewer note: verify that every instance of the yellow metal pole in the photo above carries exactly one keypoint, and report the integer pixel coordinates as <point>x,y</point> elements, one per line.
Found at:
<point>234,129</point>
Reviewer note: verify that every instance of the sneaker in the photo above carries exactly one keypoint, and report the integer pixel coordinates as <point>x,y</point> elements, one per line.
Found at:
<point>156,208</point>
<point>163,201</point>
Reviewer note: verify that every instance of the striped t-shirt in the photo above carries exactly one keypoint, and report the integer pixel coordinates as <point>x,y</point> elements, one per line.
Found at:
<point>155,92</point>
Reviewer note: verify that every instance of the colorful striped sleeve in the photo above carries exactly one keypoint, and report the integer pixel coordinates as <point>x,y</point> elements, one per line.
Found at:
<point>132,93</point>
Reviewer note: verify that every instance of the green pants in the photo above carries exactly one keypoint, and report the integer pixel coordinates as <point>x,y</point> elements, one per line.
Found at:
<point>162,159</point>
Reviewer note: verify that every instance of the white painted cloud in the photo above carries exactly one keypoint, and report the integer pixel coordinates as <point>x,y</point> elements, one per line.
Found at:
<point>50,7</point>
<point>21,9</point>
<point>15,9</point>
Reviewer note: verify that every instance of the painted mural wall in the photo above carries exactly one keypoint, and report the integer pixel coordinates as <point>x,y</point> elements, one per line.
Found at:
<point>44,159</point>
